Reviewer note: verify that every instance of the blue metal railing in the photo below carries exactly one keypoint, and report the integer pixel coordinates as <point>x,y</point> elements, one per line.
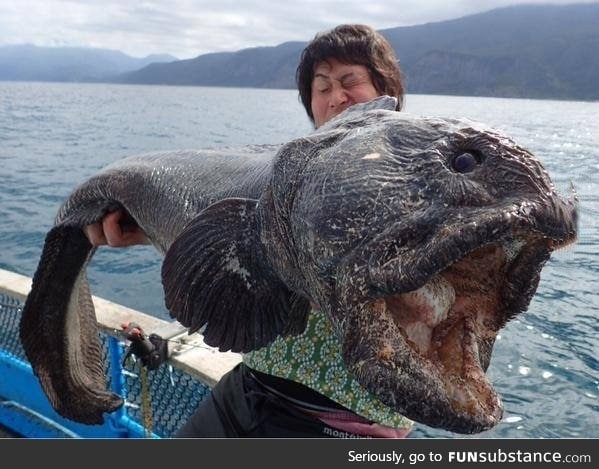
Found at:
<point>25,409</point>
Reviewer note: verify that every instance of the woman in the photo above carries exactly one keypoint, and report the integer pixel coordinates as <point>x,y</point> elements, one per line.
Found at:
<point>298,386</point>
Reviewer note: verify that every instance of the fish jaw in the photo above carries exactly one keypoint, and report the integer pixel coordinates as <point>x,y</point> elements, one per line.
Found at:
<point>455,399</point>
<point>418,321</point>
<point>425,352</point>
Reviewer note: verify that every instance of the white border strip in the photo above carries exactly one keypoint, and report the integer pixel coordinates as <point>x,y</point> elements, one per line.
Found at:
<point>189,354</point>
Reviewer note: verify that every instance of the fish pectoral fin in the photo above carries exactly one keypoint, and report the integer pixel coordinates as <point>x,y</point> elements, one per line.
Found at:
<point>216,276</point>
<point>59,333</point>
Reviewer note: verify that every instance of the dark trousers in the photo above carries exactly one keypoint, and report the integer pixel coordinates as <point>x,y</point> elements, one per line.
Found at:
<point>240,407</point>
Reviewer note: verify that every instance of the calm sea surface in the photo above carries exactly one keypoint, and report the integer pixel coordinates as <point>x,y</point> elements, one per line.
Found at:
<point>54,136</point>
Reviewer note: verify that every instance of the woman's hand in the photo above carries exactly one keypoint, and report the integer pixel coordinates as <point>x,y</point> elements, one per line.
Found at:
<point>117,230</point>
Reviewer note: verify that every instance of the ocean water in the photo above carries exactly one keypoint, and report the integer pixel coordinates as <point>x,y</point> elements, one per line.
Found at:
<point>54,136</point>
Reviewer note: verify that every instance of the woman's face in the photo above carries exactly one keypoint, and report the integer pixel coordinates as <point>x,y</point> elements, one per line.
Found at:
<point>336,86</point>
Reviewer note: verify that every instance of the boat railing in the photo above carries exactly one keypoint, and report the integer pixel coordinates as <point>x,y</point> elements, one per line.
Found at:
<point>157,402</point>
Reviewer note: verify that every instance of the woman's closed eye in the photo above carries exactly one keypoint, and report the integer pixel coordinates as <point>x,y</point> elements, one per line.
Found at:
<point>322,85</point>
<point>353,80</point>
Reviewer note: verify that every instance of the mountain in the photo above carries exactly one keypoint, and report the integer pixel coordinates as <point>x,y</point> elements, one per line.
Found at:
<point>260,67</point>
<point>532,51</point>
<point>535,51</point>
<point>29,62</point>
<point>520,51</point>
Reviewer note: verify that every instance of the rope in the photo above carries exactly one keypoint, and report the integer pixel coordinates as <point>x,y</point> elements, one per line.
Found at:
<point>146,400</point>
<point>178,341</point>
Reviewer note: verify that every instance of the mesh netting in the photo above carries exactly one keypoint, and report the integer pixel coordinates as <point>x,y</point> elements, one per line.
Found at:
<point>10,315</point>
<point>174,395</point>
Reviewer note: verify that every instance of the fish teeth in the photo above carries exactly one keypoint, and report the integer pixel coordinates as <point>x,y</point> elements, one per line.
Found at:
<point>437,297</point>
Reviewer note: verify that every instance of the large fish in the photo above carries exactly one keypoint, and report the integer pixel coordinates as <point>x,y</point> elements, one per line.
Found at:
<point>418,237</point>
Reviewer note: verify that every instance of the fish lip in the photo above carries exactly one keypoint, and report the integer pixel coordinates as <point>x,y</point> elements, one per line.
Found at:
<point>537,225</point>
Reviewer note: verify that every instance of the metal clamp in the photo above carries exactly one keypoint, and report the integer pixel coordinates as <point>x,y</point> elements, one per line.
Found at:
<point>151,350</point>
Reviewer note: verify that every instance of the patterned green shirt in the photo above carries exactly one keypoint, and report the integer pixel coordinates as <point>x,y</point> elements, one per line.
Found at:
<point>314,360</point>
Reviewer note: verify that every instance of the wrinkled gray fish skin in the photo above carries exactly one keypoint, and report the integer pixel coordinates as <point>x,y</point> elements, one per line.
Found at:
<point>161,193</point>
<point>164,191</point>
<point>418,237</point>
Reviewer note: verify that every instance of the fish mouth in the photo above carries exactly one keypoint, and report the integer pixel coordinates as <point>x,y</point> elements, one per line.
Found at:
<point>449,326</point>
<point>430,348</point>
<point>423,346</point>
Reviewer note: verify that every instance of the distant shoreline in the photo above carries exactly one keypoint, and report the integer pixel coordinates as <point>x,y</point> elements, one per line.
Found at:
<point>290,89</point>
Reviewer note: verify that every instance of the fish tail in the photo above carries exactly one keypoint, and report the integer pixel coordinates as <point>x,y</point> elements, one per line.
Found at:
<point>59,333</point>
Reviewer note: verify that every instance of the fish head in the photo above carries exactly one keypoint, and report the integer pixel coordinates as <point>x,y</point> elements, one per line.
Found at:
<point>420,238</point>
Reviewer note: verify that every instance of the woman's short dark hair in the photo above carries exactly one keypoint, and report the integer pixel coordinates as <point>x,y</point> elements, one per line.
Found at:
<point>351,44</point>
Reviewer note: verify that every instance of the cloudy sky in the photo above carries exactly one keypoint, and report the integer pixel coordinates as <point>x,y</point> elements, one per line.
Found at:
<point>187,28</point>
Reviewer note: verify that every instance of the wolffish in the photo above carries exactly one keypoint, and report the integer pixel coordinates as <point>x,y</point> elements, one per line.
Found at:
<point>420,238</point>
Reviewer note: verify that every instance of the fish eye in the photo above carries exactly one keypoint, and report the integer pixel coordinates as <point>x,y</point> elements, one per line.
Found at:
<point>465,162</point>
